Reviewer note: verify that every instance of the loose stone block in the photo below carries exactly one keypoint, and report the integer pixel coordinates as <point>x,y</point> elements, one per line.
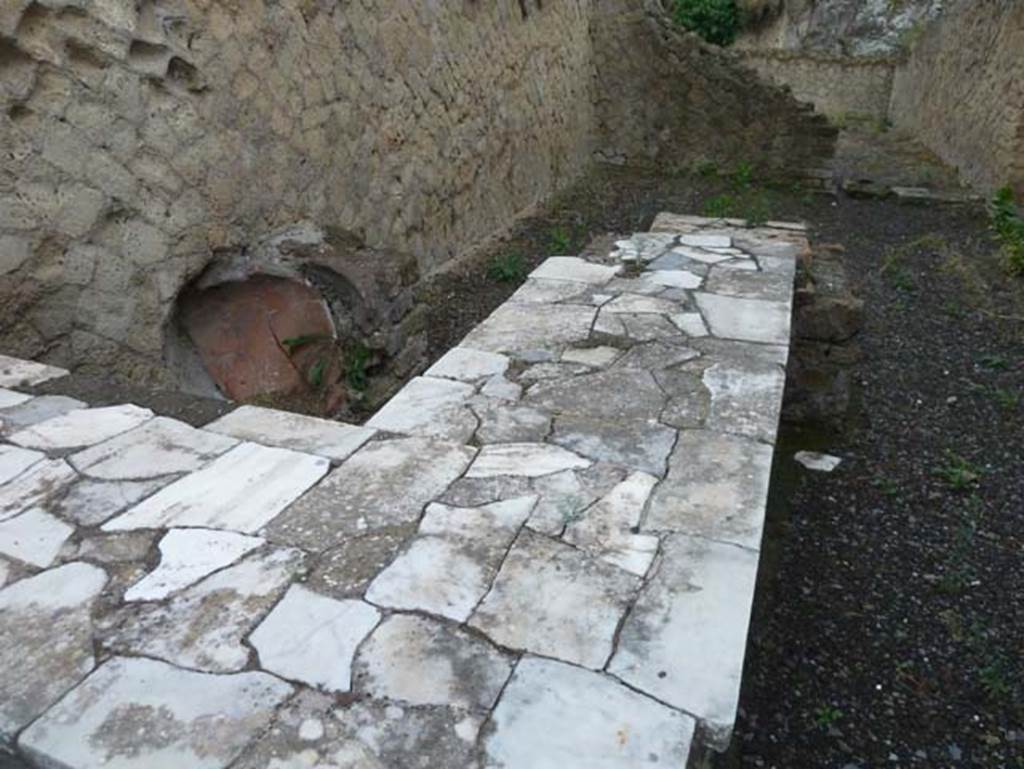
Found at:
<point>82,427</point>
<point>240,491</point>
<point>552,599</point>
<point>25,373</point>
<point>38,409</point>
<point>312,638</point>
<point>159,447</point>
<point>685,640</point>
<point>574,269</point>
<point>9,398</point>
<point>46,643</point>
<point>188,555</point>
<point>14,461</point>
<point>450,565</point>
<point>420,661</point>
<point>384,484</point>
<point>530,460</point>
<point>517,327</point>
<point>139,712</point>
<point>556,716</point>
<point>814,460</point>
<point>607,530</point>
<point>750,320</point>
<point>34,537</point>
<point>298,432</point>
<point>429,407</point>
<point>202,627</point>
<point>35,486</point>
<point>468,365</point>
<point>717,487</point>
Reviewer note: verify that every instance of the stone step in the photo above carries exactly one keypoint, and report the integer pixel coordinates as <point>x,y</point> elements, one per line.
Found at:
<point>540,553</point>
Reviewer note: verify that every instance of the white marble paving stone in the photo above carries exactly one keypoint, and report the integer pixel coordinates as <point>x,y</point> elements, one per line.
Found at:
<point>204,626</point>
<point>34,486</point>
<point>700,255</point>
<point>690,323</point>
<point>434,408</point>
<point>525,327</point>
<point>552,599</point>
<point>539,291</point>
<point>607,529</point>
<point>750,320</point>
<point>675,278</point>
<point>573,268</point>
<point>312,638</point>
<point>701,240</point>
<point>635,304</point>
<point>595,357</point>
<point>46,640</point>
<point>501,389</point>
<point>286,430</point>
<point>814,460</point>
<point>187,556</point>
<point>420,661</point>
<point>738,265</point>
<point>685,639</point>
<point>161,446</point>
<point>82,427</point>
<point>34,537</point>
<point>15,460</point>
<point>448,568</point>
<point>716,487</point>
<point>556,716</point>
<point>135,713</point>
<point>531,460</point>
<point>468,365</point>
<point>9,398</point>
<point>35,410</point>
<point>15,372</point>
<point>89,502</point>
<point>241,490</point>
<point>746,398</point>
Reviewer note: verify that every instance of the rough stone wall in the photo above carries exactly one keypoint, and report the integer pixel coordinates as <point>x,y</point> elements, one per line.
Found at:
<point>962,91</point>
<point>837,86</point>
<point>139,139</point>
<point>146,145</point>
<point>666,97</point>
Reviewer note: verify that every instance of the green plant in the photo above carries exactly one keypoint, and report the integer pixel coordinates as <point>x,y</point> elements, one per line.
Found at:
<point>743,176</point>
<point>1007,399</point>
<point>721,206</point>
<point>708,169</point>
<point>1008,225</point>
<point>995,362</point>
<point>958,473</point>
<point>561,241</point>
<point>357,363</point>
<point>995,678</point>
<point>507,268</point>
<point>717,21</point>
<point>827,715</point>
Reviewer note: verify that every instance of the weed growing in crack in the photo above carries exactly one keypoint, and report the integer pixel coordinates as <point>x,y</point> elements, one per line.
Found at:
<point>507,268</point>
<point>826,716</point>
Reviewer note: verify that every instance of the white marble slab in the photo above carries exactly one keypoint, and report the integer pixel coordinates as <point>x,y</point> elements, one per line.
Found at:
<point>15,460</point>
<point>468,365</point>
<point>556,716</point>
<point>82,427</point>
<point>311,638</point>
<point>240,491</point>
<point>34,537</point>
<point>573,268</point>
<point>335,440</point>
<point>750,320</point>
<point>15,372</point>
<point>530,460</point>
<point>9,398</point>
<point>429,407</point>
<point>187,556</point>
<point>35,486</point>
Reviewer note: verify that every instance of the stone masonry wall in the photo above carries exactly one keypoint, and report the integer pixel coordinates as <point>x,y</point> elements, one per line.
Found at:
<point>137,143</point>
<point>668,98</point>
<point>142,141</point>
<point>962,91</point>
<point>837,86</point>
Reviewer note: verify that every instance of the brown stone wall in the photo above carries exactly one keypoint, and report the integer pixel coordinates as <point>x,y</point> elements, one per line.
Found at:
<point>138,142</point>
<point>962,91</point>
<point>146,143</point>
<point>667,97</point>
<point>838,87</point>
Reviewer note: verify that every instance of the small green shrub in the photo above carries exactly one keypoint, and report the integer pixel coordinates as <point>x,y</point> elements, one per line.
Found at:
<point>507,268</point>
<point>717,21</point>
<point>1008,225</point>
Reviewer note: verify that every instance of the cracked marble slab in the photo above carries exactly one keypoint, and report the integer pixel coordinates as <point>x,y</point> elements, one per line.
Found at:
<point>15,372</point>
<point>82,427</point>
<point>429,407</point>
